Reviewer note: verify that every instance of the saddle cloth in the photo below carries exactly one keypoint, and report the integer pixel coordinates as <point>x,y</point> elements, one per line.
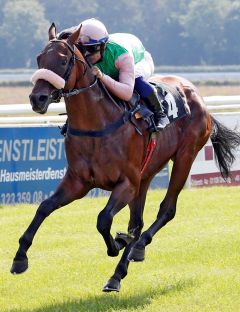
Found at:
<point>175,106</point>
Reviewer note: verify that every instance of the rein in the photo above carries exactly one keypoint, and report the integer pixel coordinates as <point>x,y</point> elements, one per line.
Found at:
<point>78,91</point>
<point>66,94</point>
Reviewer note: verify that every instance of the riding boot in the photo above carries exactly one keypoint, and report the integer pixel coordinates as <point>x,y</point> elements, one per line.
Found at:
<point>160,118</point>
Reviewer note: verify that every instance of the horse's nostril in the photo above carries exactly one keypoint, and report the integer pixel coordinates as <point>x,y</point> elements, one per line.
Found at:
<point>39,102</point>
<point>43,98</point>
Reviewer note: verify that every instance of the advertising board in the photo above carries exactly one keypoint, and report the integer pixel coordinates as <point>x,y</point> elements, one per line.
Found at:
<point>204,171</point>
<point>32,163</point>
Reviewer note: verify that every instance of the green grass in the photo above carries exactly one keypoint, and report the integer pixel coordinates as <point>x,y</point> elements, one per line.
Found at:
<point>192,264</point>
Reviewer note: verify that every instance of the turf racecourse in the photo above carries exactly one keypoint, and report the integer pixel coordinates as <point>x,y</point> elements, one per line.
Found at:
<point>191,265</point>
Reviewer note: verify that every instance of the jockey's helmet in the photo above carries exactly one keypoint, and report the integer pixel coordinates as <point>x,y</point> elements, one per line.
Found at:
<point>93,32</point>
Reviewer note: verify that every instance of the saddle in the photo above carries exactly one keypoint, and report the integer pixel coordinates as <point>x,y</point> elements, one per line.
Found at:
<point>175,106</point>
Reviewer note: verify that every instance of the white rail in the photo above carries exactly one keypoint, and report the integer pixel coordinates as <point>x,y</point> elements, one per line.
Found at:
<point>18,114</point>
<point>26,109</point>
<point>217,103</point>
<point>22,114</point>
<point>32,120</point>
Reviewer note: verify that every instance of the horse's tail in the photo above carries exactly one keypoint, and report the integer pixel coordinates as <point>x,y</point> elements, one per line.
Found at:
<point>224,142</point>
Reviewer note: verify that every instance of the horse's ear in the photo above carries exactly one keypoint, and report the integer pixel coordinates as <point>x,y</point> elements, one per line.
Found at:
<point>73,38</point>
<point>52,32</point>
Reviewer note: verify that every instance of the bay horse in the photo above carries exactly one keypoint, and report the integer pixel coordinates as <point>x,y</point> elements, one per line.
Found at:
<point>104,150</point>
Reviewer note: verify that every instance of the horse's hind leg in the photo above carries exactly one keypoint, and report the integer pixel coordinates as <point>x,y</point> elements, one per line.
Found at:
<point>134,229</point>
<point>180,171</point>
<point>69,190</point>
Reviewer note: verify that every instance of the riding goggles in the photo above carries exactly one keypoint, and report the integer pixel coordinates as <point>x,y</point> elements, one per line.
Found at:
<point>87,40</point>
<point>90,48</point>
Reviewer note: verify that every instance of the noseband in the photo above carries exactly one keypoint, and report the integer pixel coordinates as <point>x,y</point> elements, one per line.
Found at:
<point>58,94</point>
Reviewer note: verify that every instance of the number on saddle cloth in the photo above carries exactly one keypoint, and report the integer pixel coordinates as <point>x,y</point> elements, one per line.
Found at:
<point>175,106</point>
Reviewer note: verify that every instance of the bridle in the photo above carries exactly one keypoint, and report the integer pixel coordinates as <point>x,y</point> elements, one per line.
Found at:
<point>56,95</point>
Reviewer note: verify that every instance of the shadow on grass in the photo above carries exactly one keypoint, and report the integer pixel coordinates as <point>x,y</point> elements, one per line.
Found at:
<point>114,302</point>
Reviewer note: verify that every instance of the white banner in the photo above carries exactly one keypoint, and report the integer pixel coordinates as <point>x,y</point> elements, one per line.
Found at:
<point>204,171</point>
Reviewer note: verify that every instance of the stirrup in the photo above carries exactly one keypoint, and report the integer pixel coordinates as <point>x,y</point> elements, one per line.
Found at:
<point>162,122</point>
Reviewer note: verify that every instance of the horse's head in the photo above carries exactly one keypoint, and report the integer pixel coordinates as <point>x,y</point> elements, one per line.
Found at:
<point>56,70</point>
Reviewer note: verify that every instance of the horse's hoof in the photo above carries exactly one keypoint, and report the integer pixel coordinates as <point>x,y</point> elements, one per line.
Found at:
<point>112,285</point>
<point>19,266</point>
<point>136,254</point>
<point>123,239</point>
<point>114,252</point>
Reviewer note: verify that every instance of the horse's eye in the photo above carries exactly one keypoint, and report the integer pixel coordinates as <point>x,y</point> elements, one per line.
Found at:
<point>64,62</point>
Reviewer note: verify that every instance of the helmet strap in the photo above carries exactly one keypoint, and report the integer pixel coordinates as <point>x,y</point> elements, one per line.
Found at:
<point>102,50</point>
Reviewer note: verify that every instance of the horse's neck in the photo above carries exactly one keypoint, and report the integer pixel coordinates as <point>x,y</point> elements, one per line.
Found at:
<point>92,109</point>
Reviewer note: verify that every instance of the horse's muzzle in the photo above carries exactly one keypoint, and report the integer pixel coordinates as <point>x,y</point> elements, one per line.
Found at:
<point>39,102</point>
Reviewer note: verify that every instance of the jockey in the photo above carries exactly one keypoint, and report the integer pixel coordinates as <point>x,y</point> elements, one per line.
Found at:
<point>122,64</point>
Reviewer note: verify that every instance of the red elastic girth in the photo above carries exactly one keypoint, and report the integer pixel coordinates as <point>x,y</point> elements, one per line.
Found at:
<point>150,148</point>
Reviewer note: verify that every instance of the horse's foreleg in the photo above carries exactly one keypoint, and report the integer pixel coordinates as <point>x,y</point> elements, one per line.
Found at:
<point>121,195</point>
<point>134,229</point>
<point>68,190</point>
<point>180,171</point>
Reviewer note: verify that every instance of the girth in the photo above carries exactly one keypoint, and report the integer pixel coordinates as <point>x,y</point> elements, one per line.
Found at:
<point>100,133</point>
